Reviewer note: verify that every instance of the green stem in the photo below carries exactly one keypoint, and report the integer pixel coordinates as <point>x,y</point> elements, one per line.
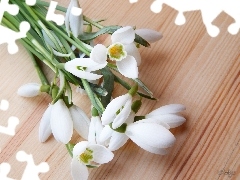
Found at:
<point>41,75</point>
<point>44,3</point>
<point>76,42</point>
<point>70,147</point>
<point>94,23</point>
<point>63,9</point>
<point>91,96</point>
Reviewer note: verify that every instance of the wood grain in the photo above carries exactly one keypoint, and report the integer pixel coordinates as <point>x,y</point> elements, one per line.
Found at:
<point>187,66</point>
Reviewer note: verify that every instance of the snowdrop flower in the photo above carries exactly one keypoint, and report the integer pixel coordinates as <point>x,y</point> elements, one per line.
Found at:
<point>80,121</point>
<point>60,121</point>
<point>117,111</point>
<point>82,68</point>
<point>29,90</point>
<point>115,139</point>
<point>149,135</point>
<point>122,50</point>
<point>74,19</point>
<point>45,128</point>
<point>149,35</point>
<point>152,137</point>
<point>95,130</point>
<point>168,115</point>
<point>86,155</point>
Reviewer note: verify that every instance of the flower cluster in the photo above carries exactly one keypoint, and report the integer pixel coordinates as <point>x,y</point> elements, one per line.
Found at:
<point>77,62</point>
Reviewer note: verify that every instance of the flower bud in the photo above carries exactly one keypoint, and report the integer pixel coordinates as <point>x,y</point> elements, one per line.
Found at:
<point>45,128</point>
<point>149,35</point>
<point>29,90</point>
<point>80,121</point>
<point>74,21</point>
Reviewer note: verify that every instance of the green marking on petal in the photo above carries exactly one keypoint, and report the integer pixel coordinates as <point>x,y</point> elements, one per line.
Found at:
<point>118,111</point>
<point>81,68</point>
<point>87,156</point>
<point>117,52</point>
<point>121,129</point>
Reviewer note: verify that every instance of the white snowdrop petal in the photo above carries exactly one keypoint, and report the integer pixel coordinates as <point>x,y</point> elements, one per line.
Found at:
<point>152,120</point>
<point>80,121</point>
<point>87,63</point>
<point>78,170</point>
<point>61,122</point>
<point>82,74</point>
<point>79,148</point>
<point>67,23</point>
<point>99,54</point>
<point>91,135</point>
<point>29,90</point>
<point>149,35</point>
<point>45,127</point>
<point>123,115</point>
<point>95,130</point>
<point>75,22</point>
<point>132,50</point>
<point>101,154</point>
<point>117,140</point>
<point>98,129</point>
<point>106,133</point>
<point>96,66</point>
<point>128,67</point>
<point>125,35</point>
<point>167,109</point>
<point>160,151</point>
<point>111,109</point>
<point>172,120</point>
<point>151,134</point>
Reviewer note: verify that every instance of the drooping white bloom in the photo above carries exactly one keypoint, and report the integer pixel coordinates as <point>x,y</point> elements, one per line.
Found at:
<point>151,134</point>
<point>113,139</point>
<point>29,90</point>
<point>152,137</point>
<point>95,130</point>
<point>80,121</point>
<point>117,111</point>
<point>149,35</point>
<point>122,50</point>
<point>168,114</point>
<point>85,155</point>
<point>60,121</point>
<point>82,68</point>
<point>45,128</point>
<point>74,18</point>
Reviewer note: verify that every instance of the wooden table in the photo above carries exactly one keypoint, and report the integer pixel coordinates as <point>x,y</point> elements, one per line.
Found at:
<point>187,66</point>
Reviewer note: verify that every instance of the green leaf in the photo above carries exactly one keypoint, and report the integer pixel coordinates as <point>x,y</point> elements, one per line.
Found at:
<point>100,91</point>
<point>142,85</point>
<point>127,86</point>
<point>121,129</point>
<point>138,39</point>
<point>92,96</point>
<point>108,84</point>
<point>93,35</point>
